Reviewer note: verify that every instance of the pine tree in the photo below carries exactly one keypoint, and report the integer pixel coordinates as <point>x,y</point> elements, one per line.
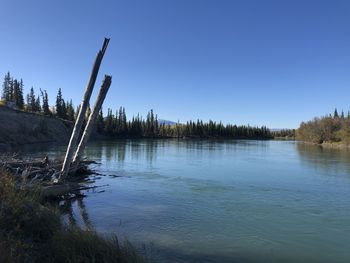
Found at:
<point>59,103</point>
<point>100,122</point>
<point>17,95</point>
<point>335,115</point>
<point>31,103</point>
<point>45,99</point>
<point>37,104</point>
<point>6,87</point>
<point>10,90</point>
<point>70,111</point>
<point>109,123</point>
<point>123,121</point>
<point>20,99</point>
<point>61,110</point>
<point>64,110</point>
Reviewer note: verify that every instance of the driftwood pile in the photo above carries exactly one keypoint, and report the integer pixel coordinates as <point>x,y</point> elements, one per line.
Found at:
<point>45,172</point>
<point>53,175</point>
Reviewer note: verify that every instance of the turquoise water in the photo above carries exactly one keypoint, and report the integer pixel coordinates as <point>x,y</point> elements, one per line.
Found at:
<point>223,201</point>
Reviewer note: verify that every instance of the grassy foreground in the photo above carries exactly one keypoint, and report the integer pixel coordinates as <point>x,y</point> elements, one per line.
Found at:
<point>31,230</point>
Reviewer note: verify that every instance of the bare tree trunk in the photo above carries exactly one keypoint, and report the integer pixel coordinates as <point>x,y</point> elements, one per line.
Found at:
<point>83,106</point>
<point>91,121</point>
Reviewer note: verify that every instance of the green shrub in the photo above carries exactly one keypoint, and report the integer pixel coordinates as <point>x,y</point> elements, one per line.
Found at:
<point>325,129</point>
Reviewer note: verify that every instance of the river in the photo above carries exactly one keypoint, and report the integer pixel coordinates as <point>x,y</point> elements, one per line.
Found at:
<point>221,201</point>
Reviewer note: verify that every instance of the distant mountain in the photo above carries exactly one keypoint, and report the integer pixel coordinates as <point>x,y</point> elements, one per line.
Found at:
<point>161,121</point>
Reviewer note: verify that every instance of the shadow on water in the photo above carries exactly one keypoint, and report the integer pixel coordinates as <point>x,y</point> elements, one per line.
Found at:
<point>75,213</point>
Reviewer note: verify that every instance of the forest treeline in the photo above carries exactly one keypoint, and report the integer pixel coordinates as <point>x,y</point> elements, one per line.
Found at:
<point>329,128</point>
<point>116,125</point>
<point>13,96</point>
<point>284,134</point>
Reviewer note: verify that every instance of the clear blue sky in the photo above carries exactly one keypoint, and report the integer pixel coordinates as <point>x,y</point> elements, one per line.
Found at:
<point>272,63</point>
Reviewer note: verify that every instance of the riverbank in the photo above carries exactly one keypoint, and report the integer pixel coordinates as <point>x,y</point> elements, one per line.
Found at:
<point>32,230</point>
<point>19,128</point>
<point>284,138</point>
<point>334,145</point>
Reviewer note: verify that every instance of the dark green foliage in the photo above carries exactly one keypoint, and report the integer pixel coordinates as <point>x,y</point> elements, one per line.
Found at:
<point>70,111</point>
<point>118,126</point>
<point>7,88</point>
<point>284,133</point>
<point>100,122</point>
<point>37,104</point>
<point>109,123</point>
<point>20,102</point>
<point>45,98</point>
<point>18,94</point>
<point>12,91</point>
<point>335,114</point>
<point>326,129</point>
<point>61,109</point>
<point>31,104</point>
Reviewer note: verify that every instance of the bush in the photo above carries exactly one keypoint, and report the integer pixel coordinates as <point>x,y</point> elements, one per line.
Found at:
<point>325,129</point>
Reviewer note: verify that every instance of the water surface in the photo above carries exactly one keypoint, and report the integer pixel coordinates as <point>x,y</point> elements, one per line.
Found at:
<point>223,201</point>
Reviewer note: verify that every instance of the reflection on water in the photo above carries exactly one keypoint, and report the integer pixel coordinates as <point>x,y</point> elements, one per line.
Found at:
<point>72,215</point>
<point>333,161</point>
<point>222,201</point>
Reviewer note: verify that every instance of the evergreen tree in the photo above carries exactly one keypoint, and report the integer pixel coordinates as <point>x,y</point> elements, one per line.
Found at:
<point>100,122</point>
<point>59,103</point>
<point>6,87</point>
<point>64,110</point>
<point>109,123</point>
<point>70,111</point>
<point>37,104</point>
<point>11,90</point>
<point>61,109</point>
<point>335,115</point>
<point>45,99</point>
<point>17,96</point>
<point>20,98</point>
<point>31,102</point>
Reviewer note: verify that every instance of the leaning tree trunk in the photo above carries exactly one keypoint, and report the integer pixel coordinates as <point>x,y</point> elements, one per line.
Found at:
<point>91,121</point>
<point>83,106</point>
